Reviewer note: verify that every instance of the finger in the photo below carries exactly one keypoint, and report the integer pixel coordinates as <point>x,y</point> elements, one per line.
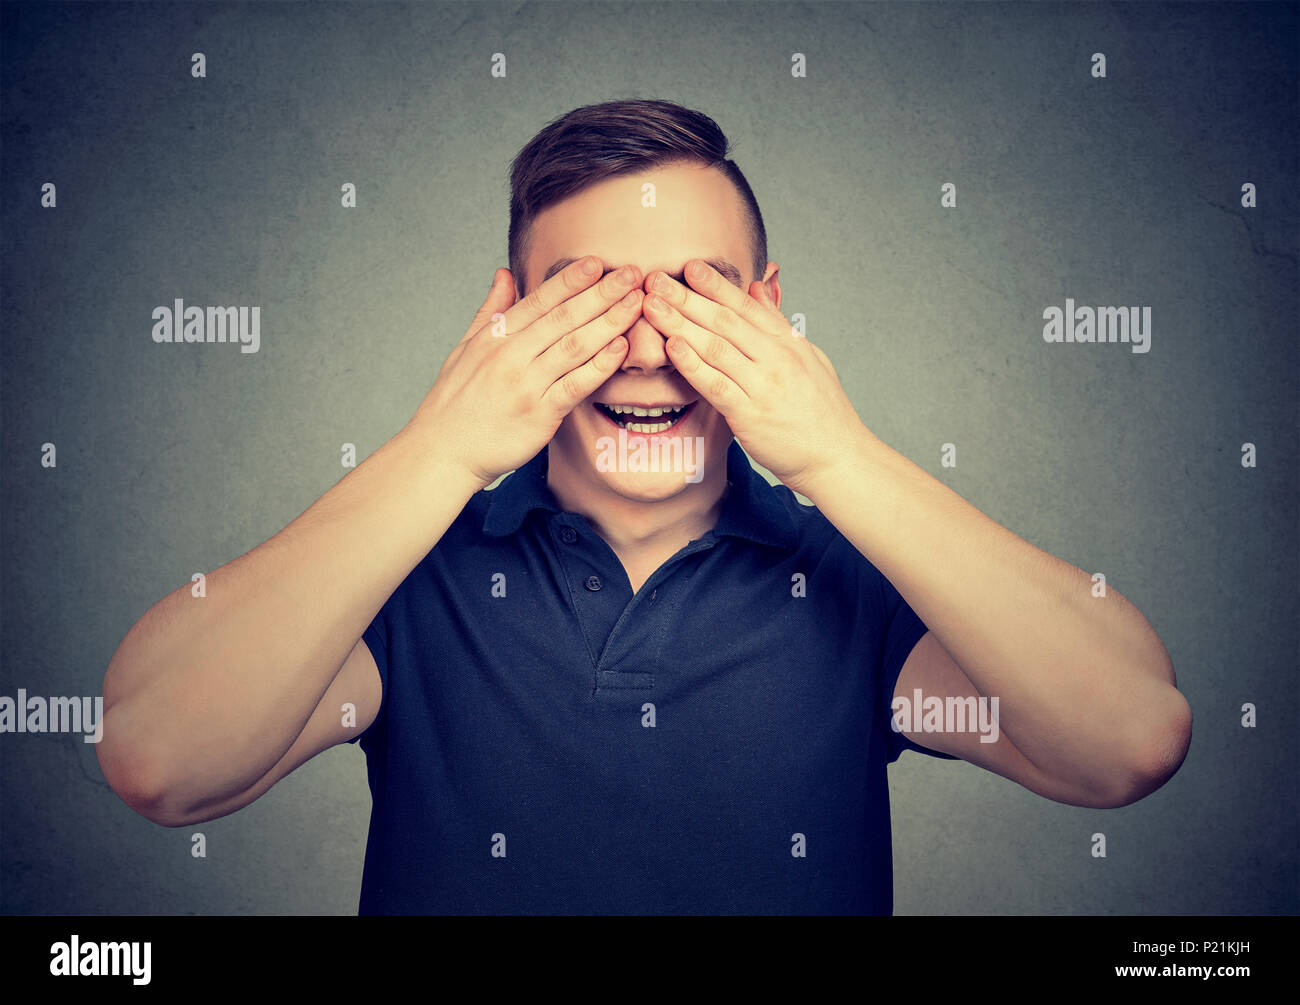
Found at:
<point>710,315</point>
<point>714,349</point>
<point>710,284</point>
<point>581,344</point>
<point>578,384</point>
<point>759,311</point>
<point>541,300</point>
<point>716,387</point>
<point>567,317</point>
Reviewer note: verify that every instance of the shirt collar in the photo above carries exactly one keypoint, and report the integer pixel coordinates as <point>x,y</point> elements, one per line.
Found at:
<point>751,509</point>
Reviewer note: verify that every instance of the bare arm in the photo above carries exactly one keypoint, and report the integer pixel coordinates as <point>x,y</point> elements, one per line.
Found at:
<point>1086,690</point>
<point>208,701</point>
<point>205,695</point>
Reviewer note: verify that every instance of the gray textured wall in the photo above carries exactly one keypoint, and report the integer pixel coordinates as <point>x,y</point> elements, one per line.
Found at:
<point>1123,190</point>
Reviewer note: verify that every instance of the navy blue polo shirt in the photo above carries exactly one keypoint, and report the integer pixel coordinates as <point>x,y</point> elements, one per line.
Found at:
<point>551,743</point>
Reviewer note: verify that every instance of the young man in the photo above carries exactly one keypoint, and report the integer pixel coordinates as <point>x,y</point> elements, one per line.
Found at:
<point>617,685</point>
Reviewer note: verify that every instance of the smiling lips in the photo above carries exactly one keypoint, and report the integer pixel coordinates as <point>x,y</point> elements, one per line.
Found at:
<point>647,419</point>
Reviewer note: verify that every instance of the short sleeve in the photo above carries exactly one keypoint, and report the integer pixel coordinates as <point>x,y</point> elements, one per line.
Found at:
<point>376,639</point>
<point>901,630</point>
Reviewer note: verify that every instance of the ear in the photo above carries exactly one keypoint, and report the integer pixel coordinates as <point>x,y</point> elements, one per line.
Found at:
<point>768,289</point>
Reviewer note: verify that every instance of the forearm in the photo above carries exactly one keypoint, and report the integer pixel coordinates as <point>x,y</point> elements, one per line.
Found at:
<point>1085,686</point>
<point>218,687</point>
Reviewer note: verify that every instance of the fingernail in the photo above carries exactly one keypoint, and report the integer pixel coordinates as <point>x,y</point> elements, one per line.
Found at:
<point>631,298</point>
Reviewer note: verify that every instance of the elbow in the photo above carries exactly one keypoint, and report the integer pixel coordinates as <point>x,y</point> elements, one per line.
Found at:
<point>137,786</point>
<point>1165,738</point>
<point>137,781</point>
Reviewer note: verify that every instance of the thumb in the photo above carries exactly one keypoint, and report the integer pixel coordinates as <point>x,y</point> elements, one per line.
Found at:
<point>500,298</point>
<point>502,291</point>
<point>499,286</point>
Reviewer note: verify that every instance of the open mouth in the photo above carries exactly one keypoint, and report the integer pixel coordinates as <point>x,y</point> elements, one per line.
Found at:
<point>635,419</point>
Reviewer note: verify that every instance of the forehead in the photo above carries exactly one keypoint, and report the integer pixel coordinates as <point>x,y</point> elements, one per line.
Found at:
<point>690,212</point>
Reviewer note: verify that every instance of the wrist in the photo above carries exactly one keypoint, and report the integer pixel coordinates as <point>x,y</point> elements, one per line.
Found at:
<point>847,460</point>
<point>439,468</point>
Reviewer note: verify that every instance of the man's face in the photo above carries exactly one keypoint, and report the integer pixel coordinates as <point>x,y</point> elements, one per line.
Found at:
<point>696,213</point>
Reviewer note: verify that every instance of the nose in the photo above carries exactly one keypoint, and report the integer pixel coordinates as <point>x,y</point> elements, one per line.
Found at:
<point>647,351</point>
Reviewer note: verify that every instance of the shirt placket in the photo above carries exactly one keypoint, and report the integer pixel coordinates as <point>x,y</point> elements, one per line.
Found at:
<point>623,631</point>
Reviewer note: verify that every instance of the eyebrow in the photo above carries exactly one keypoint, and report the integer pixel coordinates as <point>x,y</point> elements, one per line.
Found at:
<point>728,271</point>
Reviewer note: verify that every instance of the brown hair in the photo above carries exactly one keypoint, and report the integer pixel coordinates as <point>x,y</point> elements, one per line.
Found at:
<point>595,142</point>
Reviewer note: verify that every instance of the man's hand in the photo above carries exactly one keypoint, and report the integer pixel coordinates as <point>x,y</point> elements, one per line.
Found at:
<point>778,392</point>
<point>524,365</point>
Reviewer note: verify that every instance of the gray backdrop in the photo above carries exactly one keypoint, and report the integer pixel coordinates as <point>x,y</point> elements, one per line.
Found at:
<point>1117,191</point>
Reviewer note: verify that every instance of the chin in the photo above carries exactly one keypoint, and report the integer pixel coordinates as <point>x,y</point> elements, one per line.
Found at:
<point>643,486</point>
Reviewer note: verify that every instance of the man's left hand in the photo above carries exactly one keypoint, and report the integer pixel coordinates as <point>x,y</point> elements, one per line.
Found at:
<point>777,391</point>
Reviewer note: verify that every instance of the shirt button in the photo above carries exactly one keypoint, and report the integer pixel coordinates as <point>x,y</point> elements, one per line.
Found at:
<point>593,583</point>
<point>568,535</point>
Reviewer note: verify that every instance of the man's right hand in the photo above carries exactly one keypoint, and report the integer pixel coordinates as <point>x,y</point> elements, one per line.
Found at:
<point>506,387</point>
<point>208,703</point>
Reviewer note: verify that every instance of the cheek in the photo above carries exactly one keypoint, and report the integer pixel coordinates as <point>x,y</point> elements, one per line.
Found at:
<point>569,425</point>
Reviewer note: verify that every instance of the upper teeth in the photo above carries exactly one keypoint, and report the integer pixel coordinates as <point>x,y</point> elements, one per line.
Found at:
<point>634,410</point>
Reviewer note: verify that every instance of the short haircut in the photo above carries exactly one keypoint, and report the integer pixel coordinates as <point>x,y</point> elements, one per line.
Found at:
<point>595,142</point>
